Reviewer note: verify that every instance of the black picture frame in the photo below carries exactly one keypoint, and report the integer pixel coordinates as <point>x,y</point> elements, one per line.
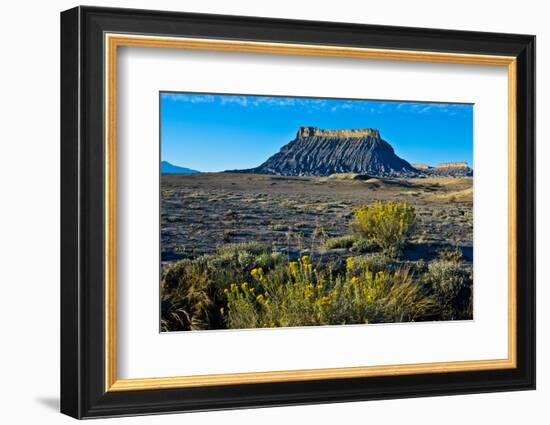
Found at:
<point>83,392</point>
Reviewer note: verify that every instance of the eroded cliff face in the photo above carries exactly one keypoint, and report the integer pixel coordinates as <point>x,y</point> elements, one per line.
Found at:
<point>445,165</point>
<point>318,152</point>
<point>304,132</point>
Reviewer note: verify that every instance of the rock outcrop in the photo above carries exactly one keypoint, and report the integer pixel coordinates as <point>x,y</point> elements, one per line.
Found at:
<point>318,152</point>
<point>452,169</point>
<point>451,165</point>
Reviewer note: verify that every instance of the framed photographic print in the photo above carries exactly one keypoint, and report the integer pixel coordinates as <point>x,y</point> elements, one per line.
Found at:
<point>261,212</point>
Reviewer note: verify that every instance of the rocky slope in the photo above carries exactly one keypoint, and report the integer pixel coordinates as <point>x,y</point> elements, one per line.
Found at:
<point>317,152</point>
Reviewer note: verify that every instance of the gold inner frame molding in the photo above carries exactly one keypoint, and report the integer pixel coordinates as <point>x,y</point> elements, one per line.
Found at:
<point>113,41</point>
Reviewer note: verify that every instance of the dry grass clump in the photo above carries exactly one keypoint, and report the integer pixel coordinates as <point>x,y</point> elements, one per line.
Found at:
<point>354,243</point>
<point>186,299</point>
<point>348,176</point>
<point>345,241</point>
<point>464,195</point>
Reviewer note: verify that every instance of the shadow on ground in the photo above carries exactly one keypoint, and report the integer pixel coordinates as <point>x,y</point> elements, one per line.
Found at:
<point>49,402</point>
<point>429,252</point>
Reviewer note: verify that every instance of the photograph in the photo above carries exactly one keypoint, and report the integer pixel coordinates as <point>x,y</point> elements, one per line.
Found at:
<point>308,211</point>
<point>285,210</point>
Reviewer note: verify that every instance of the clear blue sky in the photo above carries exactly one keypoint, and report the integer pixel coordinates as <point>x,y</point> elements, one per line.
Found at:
<point>210,132</point>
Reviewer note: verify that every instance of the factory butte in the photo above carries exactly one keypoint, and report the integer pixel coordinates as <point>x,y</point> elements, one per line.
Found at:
<point>320,152</point>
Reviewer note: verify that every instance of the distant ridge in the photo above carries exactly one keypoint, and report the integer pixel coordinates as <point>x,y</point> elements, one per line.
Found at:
<point>453,169</point>
<point>167,168</point>
<point>319,152</point>
<point>421,166</point>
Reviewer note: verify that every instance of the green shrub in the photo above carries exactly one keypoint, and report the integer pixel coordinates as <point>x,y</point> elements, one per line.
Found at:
<point>279,227</point>
<point>353,243</point>
<point>345,241</point>
<point>451,286</point>
<point>269,260</point>
<point>387,224</point>
<point>373,263</point>
<point>231,250</point>
<point>451,254</point>
<point>363,246</point>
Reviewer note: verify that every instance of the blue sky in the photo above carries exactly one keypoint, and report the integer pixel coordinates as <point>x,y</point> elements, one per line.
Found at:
<point>211,132</point>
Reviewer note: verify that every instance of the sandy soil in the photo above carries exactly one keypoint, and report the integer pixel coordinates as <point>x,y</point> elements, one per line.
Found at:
<point>200,212</point>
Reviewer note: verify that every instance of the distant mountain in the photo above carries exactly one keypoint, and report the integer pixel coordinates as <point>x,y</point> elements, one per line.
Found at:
<point>317,152</point>
<point>421,166</point>
<point>167,168</point>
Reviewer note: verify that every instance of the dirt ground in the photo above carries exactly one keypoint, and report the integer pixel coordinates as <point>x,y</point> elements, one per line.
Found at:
<point>200,212</point>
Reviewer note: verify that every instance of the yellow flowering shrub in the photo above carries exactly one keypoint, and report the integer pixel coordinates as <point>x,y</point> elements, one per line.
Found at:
<point>388,224</point>
<point>350,262</point>
<point>299,295</point>
<point>257,273</point>
<point>240,305</point>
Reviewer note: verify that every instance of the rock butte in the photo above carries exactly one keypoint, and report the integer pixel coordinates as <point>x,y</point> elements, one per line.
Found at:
<point>452,165</point>
<point>322,152</point>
